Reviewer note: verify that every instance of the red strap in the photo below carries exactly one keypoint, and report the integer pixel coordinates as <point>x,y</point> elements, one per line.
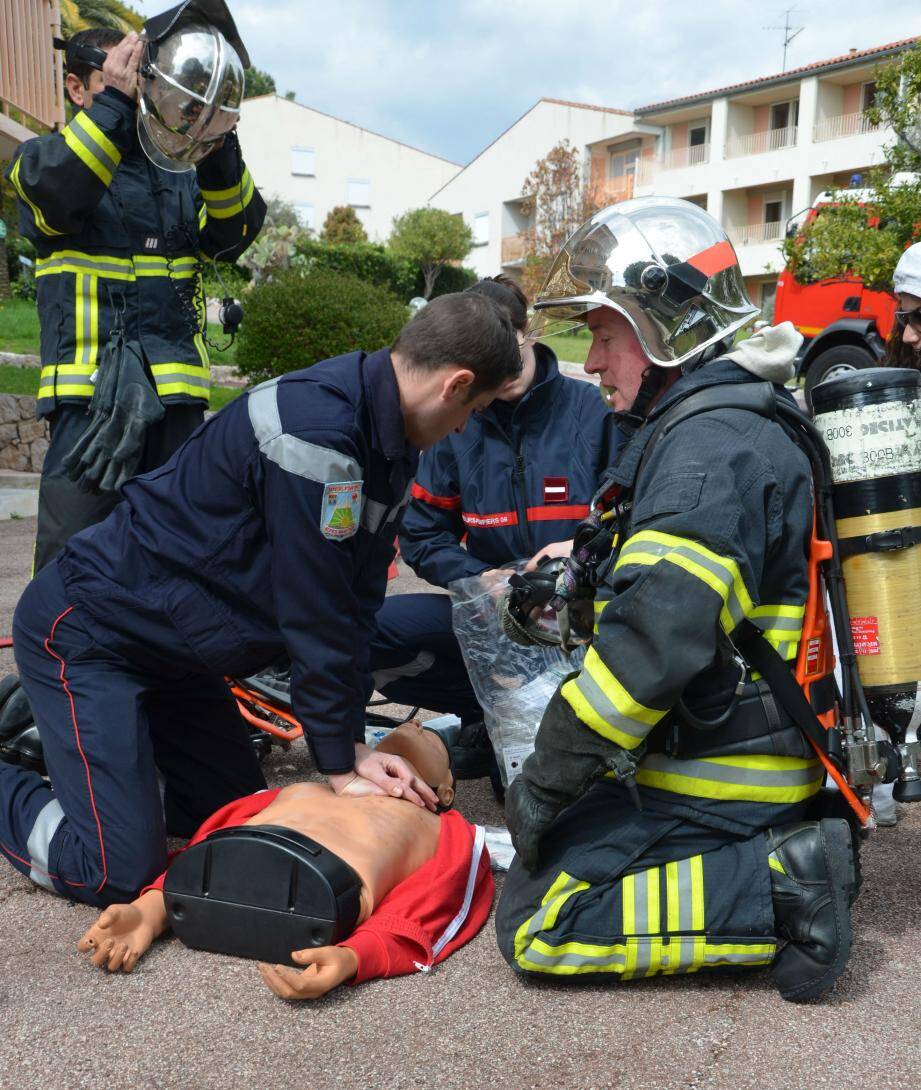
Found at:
<point>447,503</point>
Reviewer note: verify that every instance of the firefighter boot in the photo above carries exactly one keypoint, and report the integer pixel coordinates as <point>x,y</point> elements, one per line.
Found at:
<point>813,882</point>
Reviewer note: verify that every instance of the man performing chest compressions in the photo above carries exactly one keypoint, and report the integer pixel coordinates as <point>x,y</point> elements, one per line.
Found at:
<point>347,887</point>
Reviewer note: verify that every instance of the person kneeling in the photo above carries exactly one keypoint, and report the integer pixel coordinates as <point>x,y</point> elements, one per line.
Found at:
<point>405,887</point>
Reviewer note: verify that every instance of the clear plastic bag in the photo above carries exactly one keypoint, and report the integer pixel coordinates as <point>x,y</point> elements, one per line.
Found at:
<point>512,683</point>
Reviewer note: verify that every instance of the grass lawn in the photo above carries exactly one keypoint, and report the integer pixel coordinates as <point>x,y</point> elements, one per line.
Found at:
<point>19,333</point>
<point>570,347</point>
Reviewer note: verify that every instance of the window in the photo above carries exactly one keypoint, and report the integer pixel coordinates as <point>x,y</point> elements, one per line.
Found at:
<point>785,115</point>
<point>697,135</point>
<point>868,95</point>
<point>305,215</point>
<point>623,164</point>
<point>360,194</point>
<point>481,229</point>
<point>773,210</point>
<point>303,161</point>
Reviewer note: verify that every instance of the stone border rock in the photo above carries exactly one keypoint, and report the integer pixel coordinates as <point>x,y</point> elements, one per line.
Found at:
<point>23,438</point>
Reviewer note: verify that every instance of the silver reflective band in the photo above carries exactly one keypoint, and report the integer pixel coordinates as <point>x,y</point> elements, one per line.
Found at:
<point>417,666</point>
<point>295,455</point>
<point>728,773</point>
<point>46,825</point>
<point>180,376</point>
<point>96,150</point>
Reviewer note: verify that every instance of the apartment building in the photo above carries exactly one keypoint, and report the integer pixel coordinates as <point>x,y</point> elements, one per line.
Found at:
<point>31,80</point>
<point>316,162</point>
<point>758,152</point>
<point>487,192</point>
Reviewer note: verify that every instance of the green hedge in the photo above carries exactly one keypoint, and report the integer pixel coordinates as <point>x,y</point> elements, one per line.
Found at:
<point>374,264</point>
<point>292,321</point>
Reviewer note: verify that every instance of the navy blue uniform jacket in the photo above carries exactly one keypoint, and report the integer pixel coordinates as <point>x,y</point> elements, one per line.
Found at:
<point>270,530</point>
<point>517,478</point>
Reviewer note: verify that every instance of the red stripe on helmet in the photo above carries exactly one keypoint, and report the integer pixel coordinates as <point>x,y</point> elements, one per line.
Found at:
<point>714,259</point>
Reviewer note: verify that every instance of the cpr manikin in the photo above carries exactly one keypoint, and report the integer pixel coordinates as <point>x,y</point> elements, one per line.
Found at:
<point>425,886</point>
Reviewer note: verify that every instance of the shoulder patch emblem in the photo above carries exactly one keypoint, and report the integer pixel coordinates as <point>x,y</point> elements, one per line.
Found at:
<point>340,511</point>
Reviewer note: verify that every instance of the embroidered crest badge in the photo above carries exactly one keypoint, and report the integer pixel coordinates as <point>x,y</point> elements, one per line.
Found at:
<point>340,511</point>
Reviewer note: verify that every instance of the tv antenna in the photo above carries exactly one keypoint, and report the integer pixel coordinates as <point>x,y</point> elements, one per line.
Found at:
<point>789,33</point>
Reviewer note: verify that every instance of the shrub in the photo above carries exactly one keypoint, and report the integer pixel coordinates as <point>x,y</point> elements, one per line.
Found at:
<point>342,225</point>
<point>294,320</point>
<point>368,261</point>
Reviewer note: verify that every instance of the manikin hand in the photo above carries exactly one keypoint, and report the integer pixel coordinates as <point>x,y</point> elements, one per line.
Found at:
<point>120,69</point>
<point>118,939</point>
<point>327,968</point>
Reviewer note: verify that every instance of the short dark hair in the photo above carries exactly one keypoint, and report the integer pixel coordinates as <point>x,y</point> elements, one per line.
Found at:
<point>505,291</point>
<point>464,330</point>
<point>99,37</point>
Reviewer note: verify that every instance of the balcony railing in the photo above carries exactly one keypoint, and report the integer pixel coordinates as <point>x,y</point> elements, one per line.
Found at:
<point>833,128</point>
<point>753,233</point>
<point>513,249</point>
<point>30,69</point>
<point>756,143</point>
<point>677,158</point>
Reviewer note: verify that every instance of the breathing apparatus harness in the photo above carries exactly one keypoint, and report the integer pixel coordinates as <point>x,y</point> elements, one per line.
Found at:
<point>843,738</point>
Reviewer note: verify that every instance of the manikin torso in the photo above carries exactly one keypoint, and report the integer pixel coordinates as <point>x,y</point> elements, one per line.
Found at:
<point>383,839</point>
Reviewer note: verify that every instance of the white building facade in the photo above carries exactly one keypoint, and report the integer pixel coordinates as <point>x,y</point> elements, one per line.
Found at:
<point>487,192</point>
<point>317,162</point>
<point>759,152</point>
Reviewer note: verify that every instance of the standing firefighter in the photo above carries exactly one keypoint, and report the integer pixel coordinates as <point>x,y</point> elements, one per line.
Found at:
<point>660,821</point>
<point>120,243</point>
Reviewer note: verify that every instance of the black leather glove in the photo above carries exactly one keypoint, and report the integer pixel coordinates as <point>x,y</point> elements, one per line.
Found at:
<point>123,407</point>
<point>568,758</point>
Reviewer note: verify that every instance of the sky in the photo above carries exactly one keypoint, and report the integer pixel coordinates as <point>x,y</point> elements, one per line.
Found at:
<point>448,76</point>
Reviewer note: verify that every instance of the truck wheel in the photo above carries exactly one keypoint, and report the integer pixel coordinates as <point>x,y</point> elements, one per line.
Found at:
<point>834,362</point>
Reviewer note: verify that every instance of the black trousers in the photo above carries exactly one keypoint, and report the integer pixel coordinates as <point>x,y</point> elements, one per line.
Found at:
<point>63,508</point>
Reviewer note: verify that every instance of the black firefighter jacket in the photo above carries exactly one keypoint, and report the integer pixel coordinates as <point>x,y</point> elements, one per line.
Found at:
<point>115,233</point>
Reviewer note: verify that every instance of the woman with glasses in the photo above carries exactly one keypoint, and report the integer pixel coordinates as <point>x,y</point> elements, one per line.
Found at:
<point>513,485</point>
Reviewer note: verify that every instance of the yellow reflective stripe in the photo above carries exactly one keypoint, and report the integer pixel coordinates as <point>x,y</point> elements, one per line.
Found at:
<point>720,573</point>
<point>653,921</point>
<point>697,893</point>
<point>794,612</point>
<point>739,954</point>
<point>202,217</point>
<point>672,898</point>
<point>224,203</point>
<point>91,145</point>
<point>604,705</point>
<point>86,319</point>
<point>78,317</point>
<point>758,778</point>
<point>775,864</point>
<point>575,958</point>
<point>40,222</point>
<point>553,900</point>
<point>628,902</point>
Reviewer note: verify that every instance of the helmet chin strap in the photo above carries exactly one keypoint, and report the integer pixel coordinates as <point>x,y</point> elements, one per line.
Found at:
<point>632,419</point>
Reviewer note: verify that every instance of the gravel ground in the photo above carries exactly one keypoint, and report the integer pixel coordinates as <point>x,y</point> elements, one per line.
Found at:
<point>185,1019</point>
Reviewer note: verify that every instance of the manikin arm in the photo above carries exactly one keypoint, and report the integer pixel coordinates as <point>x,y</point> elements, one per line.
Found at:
<point>123,933</point>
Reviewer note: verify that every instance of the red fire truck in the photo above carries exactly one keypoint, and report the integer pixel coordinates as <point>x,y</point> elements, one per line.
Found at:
<point>845,324</point>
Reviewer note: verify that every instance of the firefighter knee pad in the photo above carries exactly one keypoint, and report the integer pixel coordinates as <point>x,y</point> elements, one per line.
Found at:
<point>261,891</point>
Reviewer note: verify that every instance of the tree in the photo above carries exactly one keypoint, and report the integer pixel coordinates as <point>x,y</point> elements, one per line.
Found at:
<point>432,238</point>
<point>557,200</point>
<point>83,14</point>
<point>258,83</point>
<point>343,225</point>
<point>837,242</point>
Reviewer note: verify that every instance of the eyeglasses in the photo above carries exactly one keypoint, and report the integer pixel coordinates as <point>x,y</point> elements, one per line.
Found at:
<point>909,317</point>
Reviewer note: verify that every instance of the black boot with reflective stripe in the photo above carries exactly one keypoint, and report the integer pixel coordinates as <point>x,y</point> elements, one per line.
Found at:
<point>813,882</point>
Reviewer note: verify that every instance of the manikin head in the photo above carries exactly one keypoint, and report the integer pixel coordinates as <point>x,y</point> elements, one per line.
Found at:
<point>82,81</point>
<point>509,296</point>
<point>450,360</point>
<point>617,358</point>
<point>427,753</point>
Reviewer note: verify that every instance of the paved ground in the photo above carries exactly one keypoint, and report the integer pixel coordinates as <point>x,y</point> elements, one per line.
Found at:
<point>190,1020</point>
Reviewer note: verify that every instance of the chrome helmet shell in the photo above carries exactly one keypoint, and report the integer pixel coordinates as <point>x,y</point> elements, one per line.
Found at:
<point>664,264</point>
<point>189,94</point>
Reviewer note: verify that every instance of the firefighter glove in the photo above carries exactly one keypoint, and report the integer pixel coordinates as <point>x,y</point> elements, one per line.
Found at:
<point>123,407</point>
<point>568,758</point>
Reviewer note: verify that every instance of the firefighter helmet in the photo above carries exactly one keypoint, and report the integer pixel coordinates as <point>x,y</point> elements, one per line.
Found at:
<point>664,264</point>
<point>189,94</point>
